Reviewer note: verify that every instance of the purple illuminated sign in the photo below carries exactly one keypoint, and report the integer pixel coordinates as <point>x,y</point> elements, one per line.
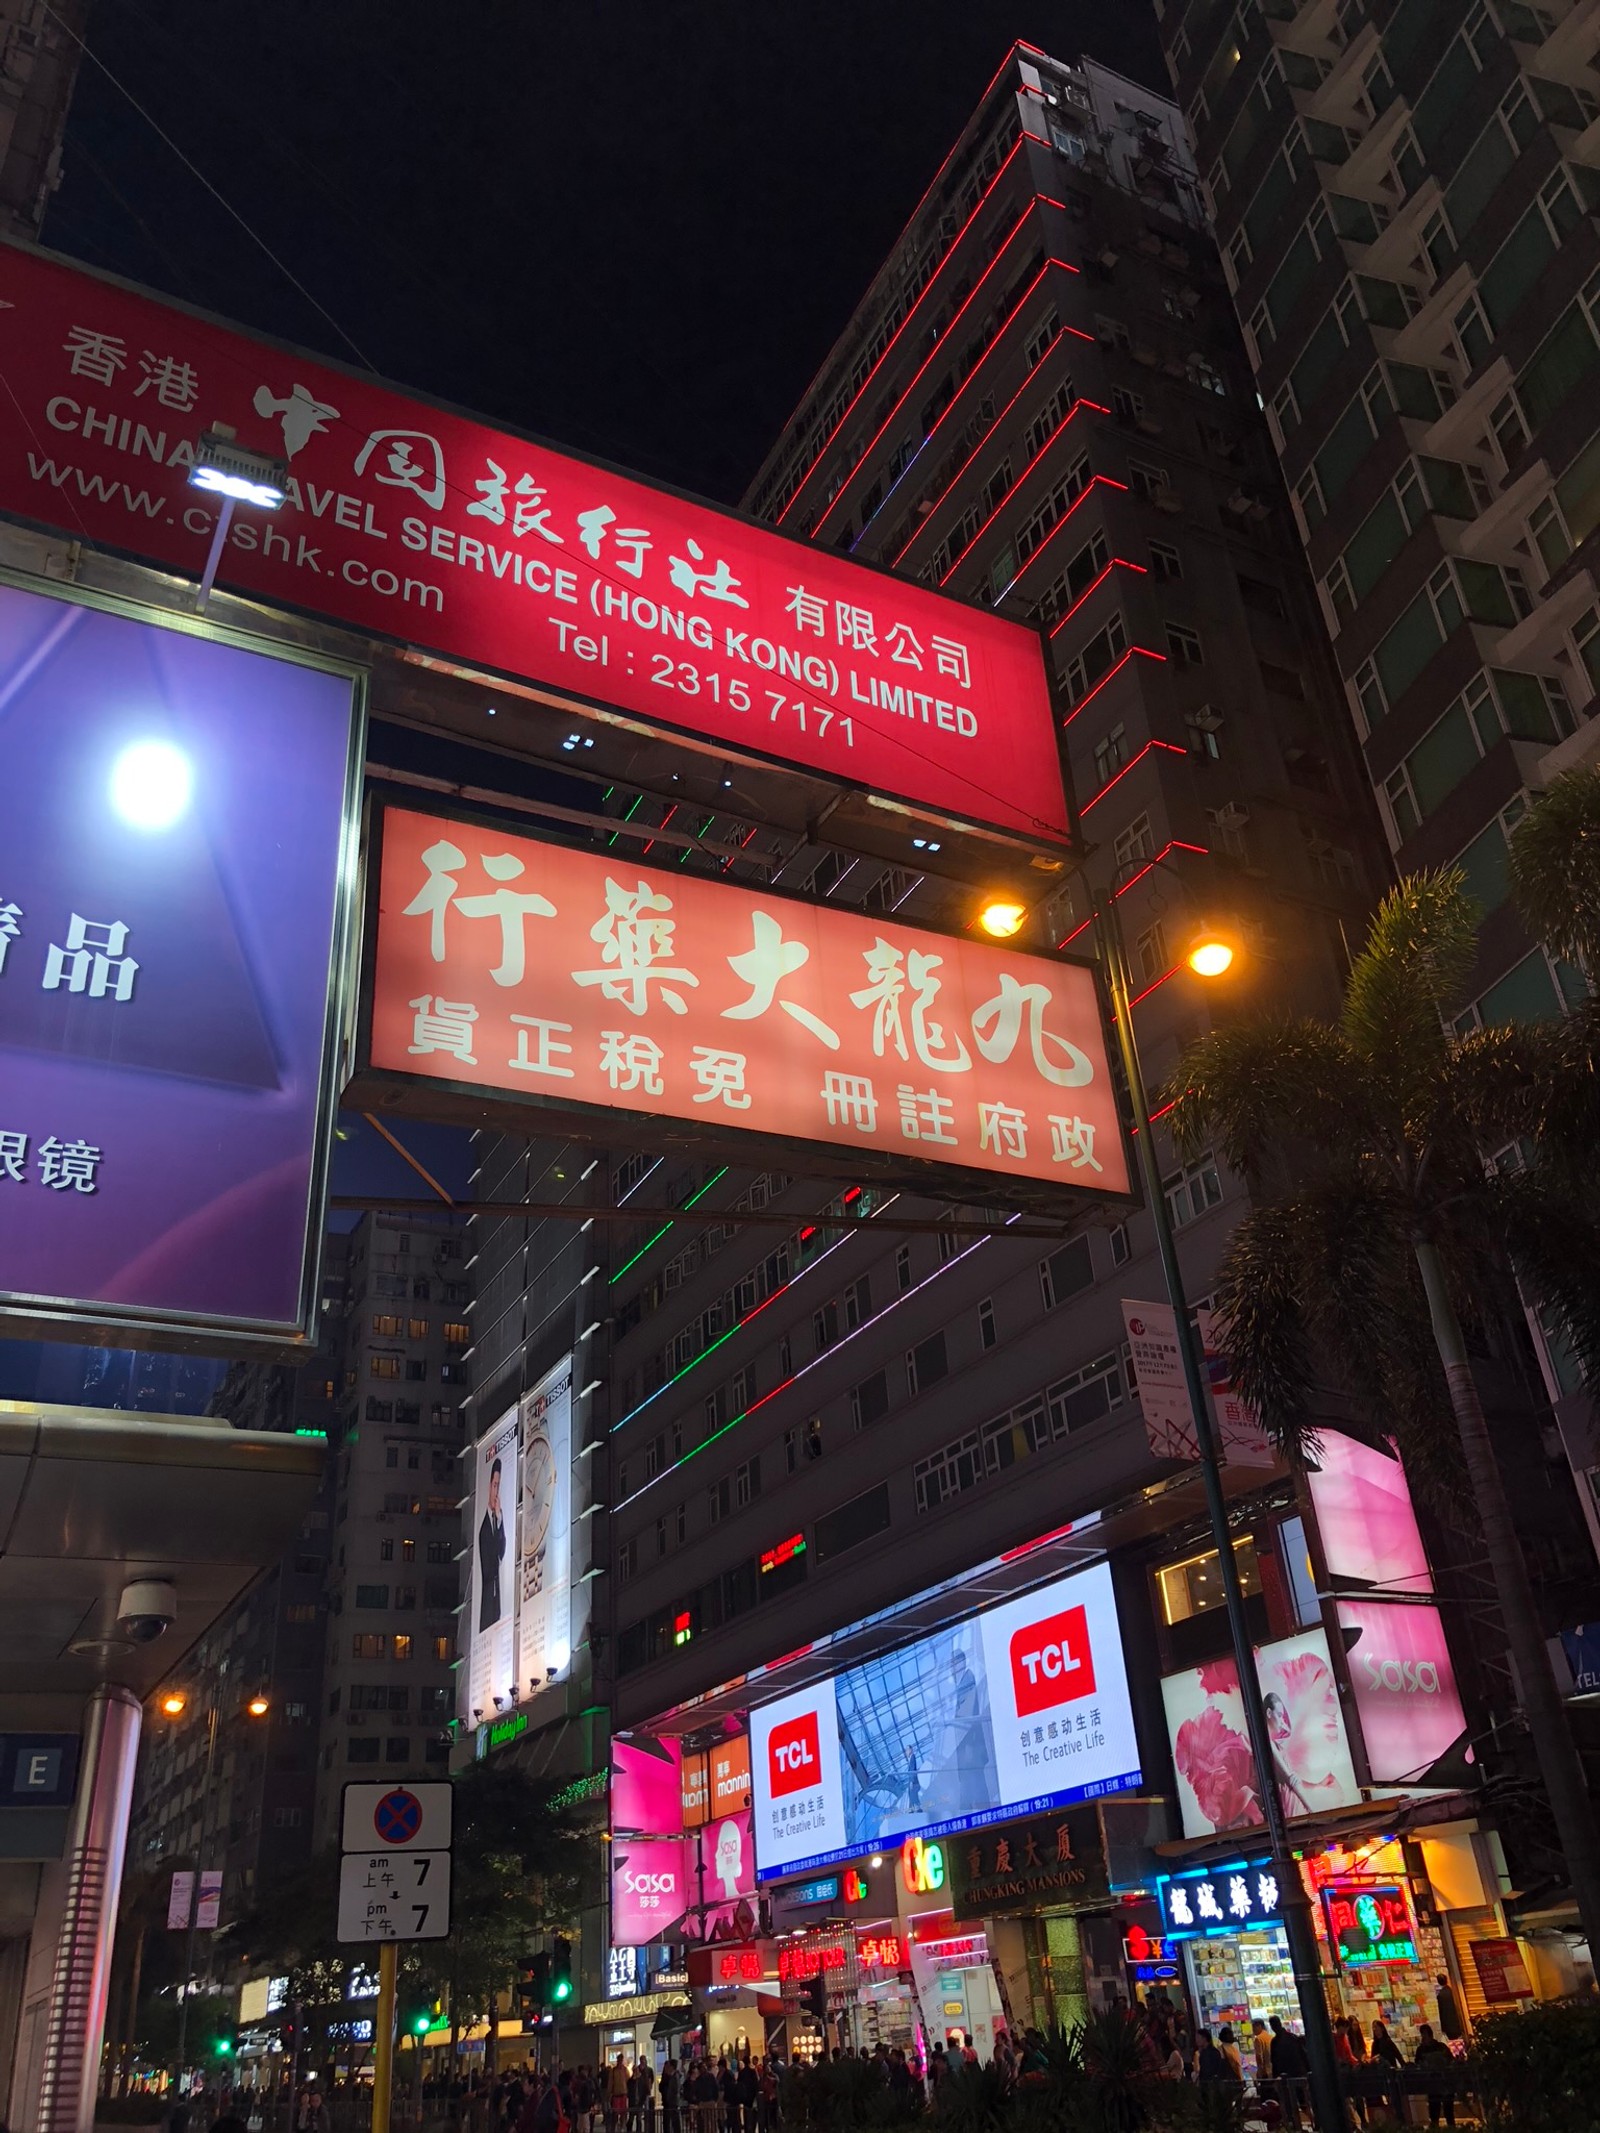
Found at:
<point>174,889</point>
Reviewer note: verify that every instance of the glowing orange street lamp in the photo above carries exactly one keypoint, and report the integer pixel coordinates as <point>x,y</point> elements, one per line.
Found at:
<point>258,1707</point>
<point>1210,953</point>
<point>1002,917</point>
<point>174,1703</point>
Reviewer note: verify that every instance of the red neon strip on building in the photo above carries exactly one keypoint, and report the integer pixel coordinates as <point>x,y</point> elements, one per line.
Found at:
<point>1171,747</point>
<point>1023,222</point>
<point>1021,478</point>
<point>1103,480</point>
<point>1117,563</point>
<point>1110,675</point>
<point>954,247</point>
<point>1150,988</point>
<point>933,507</point>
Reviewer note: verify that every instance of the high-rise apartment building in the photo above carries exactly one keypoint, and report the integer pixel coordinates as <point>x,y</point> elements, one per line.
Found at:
<point>388,1692</point>
<point>1405,197</point>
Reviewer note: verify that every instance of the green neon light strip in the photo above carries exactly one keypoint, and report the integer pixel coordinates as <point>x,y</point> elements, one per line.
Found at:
<point>662,1231</point>
<point>628,817</point>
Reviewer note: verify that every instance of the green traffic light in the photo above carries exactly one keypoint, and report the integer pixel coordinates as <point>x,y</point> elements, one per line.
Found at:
<point>224,2047</point>
<point>562,1989</point>
<point>421,2024</point>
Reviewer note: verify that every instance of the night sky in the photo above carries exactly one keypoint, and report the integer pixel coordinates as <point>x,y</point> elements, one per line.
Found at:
<point>635,228</point>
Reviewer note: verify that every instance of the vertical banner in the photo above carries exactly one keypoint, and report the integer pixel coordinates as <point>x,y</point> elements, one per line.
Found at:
<point>1168,1416</point>
<point>545,1637</point>
<point>178,1901</point>
<point>492,1582</point>
<point>209,1914</point>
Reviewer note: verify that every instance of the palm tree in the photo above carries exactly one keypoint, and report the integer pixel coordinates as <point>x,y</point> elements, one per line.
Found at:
<point>1379,1216</point>
<point>1555,867</point>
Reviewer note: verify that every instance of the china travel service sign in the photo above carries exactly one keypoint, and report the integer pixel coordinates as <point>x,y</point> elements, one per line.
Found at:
<point>500,962</point>
<point>417,524</point>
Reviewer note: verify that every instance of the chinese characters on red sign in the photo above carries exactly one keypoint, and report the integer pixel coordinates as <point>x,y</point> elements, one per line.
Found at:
<point>510,964</point>
<point>879,1951</point>
<point>746,1963</point>
<point>807,1959</point>
<point>425,526</point>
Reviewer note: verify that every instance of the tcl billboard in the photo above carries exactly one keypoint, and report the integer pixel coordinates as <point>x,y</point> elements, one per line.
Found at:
<point>1010,1712</point>
<point>412,522</point>
<point>575,980</point>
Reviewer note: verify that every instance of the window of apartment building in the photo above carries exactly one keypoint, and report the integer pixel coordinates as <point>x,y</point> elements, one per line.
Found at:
<point>902,1267</point>
<point>926,1363</point>
<point>716,1409</point>
<point>383,1366</point>
<point>1110,754</point>
<point>1204,726</point>
<point>369,1644</point>
<point>1193,1190</point>
<point>402,1644</point>
<point>405,1599</point>
<point>1147,480</point>
<point>361,1750</point>
<point>1040,342</point>
<point>1053,508</point>
<point>1112,333</point>
<point>1165,561</point>
<point>386,1551</point>
<point>1096,658</point>
<point>869,1400</point>
<point>1151,952</point>
<point>719,1500</point>
<point>949,1245</point>
<point>1184,648</point>
<point>417,1329</point>
<point>853,1522</point>
<point>987,1336</point>
<point>1526,706</point>
<point>457,1332</point>
<point>444,1650</point>
<point>1126,406</point>
<point>747,1481</point>
<point>1045,423</point>
<point>372,1596</point>
<point>1121,1249</point>
<point>627,1559</point>
<point>743,1389</point>
<point>385,1326</point>
<point>1066,1273</point>
<point>1135,842</point>
<point>302,1611</point>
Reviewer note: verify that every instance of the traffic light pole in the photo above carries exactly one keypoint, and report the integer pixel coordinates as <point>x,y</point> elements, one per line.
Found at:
<point>383,2036</point>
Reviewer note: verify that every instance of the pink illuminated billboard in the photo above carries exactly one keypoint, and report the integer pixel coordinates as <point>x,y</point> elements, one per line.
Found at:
<point>646,1785</point>
<point>577,980</point>
<point>649,1889</point>
<point>1364,1516</point>
<point>1406,1696</point>
<point>417,524</point>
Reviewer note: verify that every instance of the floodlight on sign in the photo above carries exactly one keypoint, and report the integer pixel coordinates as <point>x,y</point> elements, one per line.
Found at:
<point>224,467</point>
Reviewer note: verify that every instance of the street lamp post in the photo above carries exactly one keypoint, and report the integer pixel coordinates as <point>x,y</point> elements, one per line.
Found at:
<point>1327,2102</point>
<point>174,1706</point>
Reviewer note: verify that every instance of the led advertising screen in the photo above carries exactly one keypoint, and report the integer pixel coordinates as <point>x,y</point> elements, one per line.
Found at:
<point>1365,1517</point>
<point>1407,1701</point>
<point>545,1603</point>
<point>646,1786</point>
<point>1211,1748</point>
<point>649,1889</point>
<point>174,890</point>
<point>1018,1709</point>
<point>490,1614</point>
<point>559,976</point>
<point>414,523</point>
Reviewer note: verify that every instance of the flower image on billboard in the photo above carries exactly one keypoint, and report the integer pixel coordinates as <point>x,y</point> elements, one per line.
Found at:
<point>179,831</point>
<point>1211,1749</point>
<point>490,1614</point>
<point>570,980</point>
<point>1017,1709</point>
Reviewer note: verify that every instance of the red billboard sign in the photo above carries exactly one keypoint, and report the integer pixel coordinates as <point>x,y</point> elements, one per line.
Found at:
<point>415,523</point>
<point>505,963</point>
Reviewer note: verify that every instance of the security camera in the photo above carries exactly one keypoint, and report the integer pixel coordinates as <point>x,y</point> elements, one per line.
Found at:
<point>147,1609</point>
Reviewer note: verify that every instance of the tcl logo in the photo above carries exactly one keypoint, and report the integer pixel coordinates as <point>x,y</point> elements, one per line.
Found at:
<point>648,1884</point>
<point>794,1759</point>
<point>1051,1662</point>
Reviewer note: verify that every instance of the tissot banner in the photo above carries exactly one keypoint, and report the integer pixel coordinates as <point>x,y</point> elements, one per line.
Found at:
<point>418,524</point>
<point>507,963</point>
<point>1018,1709</point>
<point>544,1633</point>
<point>493,1585</point>
<point>174,872</point>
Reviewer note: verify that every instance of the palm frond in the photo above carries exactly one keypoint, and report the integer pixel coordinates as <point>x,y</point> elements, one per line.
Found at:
<point>1413,970</point>
<point>1552,1236</point>
<point>1244,1088</point>
<point>1507,1083</point>
<point>1555,866</point>
<point>1264,1327</point>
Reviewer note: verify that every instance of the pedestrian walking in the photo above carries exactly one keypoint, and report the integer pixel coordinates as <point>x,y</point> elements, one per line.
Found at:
<point>1437,2063</point>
